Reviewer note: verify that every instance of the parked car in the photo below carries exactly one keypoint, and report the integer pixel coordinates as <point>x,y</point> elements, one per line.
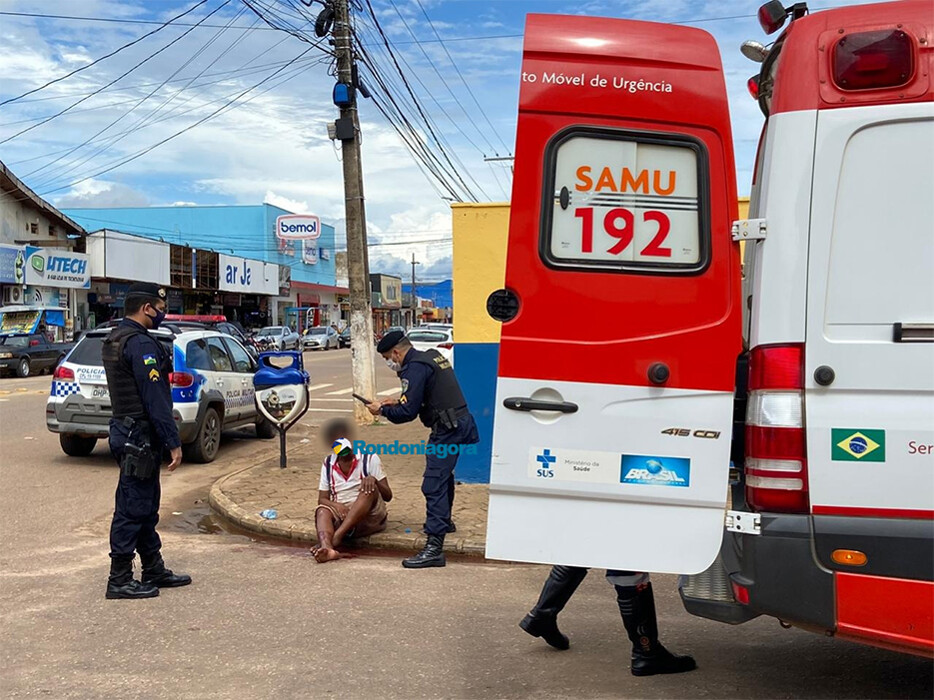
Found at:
<point>320,338</point>
<point>343,339</point>
<point>278,338</point>
<point>440,340</point>
<point>390,330</point>
<point>30,353</point>
<point>436,326</point>
<point>212,391</point>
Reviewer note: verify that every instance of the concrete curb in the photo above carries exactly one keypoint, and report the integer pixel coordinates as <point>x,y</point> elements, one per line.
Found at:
<point>228,509</point>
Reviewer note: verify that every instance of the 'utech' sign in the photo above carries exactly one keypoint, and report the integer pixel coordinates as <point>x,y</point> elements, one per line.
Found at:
<point>292,227</point>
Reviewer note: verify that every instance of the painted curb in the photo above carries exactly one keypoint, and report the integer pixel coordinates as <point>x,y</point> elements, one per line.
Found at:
<point>228,509</point>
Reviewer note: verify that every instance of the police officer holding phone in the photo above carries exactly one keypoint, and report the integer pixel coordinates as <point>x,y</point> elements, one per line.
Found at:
<point>431,393</point>
<point>141,430</point>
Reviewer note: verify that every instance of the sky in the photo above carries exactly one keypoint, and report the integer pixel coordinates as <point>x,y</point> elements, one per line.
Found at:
<point>125,131</point>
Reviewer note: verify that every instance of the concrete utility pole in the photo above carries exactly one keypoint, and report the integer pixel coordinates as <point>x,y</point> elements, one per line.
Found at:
<point>414,296</point>
<point>363,352</point>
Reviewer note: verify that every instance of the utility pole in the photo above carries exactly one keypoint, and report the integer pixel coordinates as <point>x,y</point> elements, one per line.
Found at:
<point>363,352</point>
<point>414,296</point>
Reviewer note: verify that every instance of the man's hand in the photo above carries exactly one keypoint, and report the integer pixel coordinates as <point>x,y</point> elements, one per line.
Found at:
<point>374,408</point>
<point>368,485</point>
<point>176,455</point>
<point>341,509</point>
<point>389,402</point>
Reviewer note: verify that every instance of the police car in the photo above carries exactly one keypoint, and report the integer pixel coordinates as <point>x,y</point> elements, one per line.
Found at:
<point>212,391</point>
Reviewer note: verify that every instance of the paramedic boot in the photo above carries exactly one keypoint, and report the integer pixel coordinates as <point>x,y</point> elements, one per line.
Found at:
<point>542,620</point>
<point>649,657</point>
<point>121,583</point>
<point>155,573</point>
<point>431,555</point>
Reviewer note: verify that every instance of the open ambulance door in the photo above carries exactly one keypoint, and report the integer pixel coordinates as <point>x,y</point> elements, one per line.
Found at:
<point>621,310</point>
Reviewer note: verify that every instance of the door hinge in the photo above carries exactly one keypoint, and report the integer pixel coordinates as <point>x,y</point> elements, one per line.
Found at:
<point>741,521</point>
<point>749,230</point>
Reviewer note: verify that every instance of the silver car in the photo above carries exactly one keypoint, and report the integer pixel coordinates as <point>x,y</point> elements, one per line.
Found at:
<point>279,338</point>
<point>320,338</point>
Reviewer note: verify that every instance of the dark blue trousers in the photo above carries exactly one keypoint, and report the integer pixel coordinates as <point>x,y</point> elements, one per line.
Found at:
<point>136,511</point>
<point>438,481</point>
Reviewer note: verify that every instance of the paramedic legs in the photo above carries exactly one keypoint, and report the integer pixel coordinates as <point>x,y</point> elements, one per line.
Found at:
<point>636,606</point>
<point>431,393</point>
<point>142,425</point>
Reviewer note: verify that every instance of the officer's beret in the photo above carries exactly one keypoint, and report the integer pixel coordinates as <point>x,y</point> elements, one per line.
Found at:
<point>146,289</point>
<point>389,341</point>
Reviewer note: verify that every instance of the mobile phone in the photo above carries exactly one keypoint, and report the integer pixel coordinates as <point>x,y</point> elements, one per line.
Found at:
<point>360,398</point>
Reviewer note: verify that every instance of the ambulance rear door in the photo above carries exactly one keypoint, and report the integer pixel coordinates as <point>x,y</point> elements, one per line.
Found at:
<point>621,315</point>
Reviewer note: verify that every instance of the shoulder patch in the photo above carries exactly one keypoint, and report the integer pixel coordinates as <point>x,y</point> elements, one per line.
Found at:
<point>154,375</point>
<point>405,385</point>
<point>403,399</point>
<point>149,359</point>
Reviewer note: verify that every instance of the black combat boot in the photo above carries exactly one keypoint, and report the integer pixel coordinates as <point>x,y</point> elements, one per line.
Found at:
<point>155,573</point>
<point>542,620</point>
<point>121,583</point>
<point>431,555</point>
<point>649,657</point>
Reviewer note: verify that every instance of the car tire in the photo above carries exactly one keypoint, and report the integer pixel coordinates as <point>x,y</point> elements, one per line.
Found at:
<point>208,441</point>
<point>76,445</point>
<point>22,369</point>
<point>265,430</point>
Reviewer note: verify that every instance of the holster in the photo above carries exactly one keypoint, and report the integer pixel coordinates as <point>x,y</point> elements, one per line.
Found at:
<point>139,458</point>
<point>447,418</point>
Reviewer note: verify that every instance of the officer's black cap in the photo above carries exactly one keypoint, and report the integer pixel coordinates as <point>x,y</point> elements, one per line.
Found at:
<point>146,289</point>
<point>389,341</point>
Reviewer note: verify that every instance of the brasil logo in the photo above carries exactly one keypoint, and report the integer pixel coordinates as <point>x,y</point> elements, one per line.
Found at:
<point>849,445</point>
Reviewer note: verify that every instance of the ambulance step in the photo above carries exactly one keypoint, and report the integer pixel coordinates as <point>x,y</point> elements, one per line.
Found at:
<point>712,584</point>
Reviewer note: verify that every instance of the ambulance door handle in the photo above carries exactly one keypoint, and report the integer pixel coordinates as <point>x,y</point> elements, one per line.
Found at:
<point>519,403</point>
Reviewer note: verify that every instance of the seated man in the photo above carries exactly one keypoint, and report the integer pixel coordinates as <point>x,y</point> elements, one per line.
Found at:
<point>352,495</point>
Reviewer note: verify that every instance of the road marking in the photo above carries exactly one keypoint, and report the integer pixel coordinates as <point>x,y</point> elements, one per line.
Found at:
<point>340,391</point>
<point>389,392</point>
<point>319,386</point>
<point>331,410</point>
<point>332,400</point>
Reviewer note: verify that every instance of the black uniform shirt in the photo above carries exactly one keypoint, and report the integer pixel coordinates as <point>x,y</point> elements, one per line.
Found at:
<point>149,361</point>
<point>415,377</point>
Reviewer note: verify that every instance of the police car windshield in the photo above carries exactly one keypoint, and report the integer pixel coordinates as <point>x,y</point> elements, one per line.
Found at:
<point>271,330</point>
<point>15,341</point>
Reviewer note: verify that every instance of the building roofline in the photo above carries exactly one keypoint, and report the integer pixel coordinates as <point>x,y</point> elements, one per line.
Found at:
<point>17,185</point>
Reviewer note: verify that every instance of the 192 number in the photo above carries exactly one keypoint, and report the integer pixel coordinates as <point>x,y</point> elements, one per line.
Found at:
<point>620,224</point>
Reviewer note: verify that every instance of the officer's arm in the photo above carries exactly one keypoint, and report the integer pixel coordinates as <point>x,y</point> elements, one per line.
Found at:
<point>143,354</point>
<point>411,400</point>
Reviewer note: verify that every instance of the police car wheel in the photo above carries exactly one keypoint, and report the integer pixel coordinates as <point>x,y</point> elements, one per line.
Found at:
<point>77,445</point>
<point>207,443</point>
<point>22,369</point>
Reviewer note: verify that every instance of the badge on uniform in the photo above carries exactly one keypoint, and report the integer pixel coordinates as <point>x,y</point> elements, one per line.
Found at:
<point>149,359</point>
<point>154,375</point>
<point>402,399</point>
<point>405,385</point>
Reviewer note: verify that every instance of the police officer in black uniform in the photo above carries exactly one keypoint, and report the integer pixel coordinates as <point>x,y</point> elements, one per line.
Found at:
<point>431,393</point>
<point>141,430</point>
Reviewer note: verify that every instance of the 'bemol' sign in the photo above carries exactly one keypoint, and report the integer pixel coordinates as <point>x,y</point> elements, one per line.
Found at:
<point>57,268</point>
<point>298,226</point>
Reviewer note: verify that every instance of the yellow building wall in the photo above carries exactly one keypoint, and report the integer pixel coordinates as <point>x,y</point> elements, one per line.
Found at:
<point>480,233</point>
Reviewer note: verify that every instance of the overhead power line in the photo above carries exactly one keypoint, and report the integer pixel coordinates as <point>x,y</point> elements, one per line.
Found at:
<point>162,25</point>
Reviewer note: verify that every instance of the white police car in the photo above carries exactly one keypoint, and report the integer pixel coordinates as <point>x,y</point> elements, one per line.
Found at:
<point>212,391</point>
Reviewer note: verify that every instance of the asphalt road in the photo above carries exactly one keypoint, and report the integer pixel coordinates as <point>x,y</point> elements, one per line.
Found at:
<point>263,620</point>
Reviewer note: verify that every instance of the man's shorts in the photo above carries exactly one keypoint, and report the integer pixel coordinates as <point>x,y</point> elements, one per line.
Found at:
<point>375,520</point>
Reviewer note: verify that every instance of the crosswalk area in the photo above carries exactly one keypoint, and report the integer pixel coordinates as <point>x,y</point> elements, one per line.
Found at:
<point>332,398</point>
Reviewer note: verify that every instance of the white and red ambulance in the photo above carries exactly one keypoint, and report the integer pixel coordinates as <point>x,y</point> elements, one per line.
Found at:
<point>613,440</point>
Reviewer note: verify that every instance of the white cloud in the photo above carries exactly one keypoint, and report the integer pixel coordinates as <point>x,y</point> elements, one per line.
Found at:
<point>99,193</point>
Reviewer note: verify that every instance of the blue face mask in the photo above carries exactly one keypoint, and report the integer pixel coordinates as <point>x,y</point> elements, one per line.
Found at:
<point>157,319</point>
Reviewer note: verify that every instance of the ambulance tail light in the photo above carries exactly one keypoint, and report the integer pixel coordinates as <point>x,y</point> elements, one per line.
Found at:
<point>776,454</point>
<point>181,379</point>
<point>873,60</point>
<point>63,374</point>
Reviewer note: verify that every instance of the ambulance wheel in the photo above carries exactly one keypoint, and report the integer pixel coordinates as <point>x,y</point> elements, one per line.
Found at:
<point>76,445</point>
<point>22,369</point>
<point>265,430</point>
<point>207,443</point>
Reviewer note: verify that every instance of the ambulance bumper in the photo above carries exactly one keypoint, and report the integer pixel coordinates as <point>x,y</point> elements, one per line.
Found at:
<point>775,569</point>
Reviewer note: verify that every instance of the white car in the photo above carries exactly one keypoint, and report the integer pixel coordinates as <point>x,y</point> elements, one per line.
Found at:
<point>441,340</point>
<point>279,338</point>
<point>320,338</point>
<point>212,391</point>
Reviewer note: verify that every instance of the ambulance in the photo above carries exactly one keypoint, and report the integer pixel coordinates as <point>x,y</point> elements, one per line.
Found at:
<point>763,427</point>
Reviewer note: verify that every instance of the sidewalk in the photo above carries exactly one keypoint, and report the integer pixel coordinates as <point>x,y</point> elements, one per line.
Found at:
<point>241,496</point>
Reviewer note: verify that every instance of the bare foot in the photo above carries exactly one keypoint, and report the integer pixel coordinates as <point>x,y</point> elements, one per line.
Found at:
<point>326,554</point>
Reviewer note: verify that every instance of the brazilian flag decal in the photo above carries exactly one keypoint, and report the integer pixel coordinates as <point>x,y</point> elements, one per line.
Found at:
<point>851,445</point>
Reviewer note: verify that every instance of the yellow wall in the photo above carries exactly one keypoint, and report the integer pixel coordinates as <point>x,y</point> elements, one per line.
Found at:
<point>480,233</point>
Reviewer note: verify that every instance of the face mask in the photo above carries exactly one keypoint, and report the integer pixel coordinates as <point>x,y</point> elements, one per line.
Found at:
<point>157,319</point>
<point>394,366</point>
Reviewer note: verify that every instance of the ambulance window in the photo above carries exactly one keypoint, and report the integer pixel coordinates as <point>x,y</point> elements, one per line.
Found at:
<point>625,201</point>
